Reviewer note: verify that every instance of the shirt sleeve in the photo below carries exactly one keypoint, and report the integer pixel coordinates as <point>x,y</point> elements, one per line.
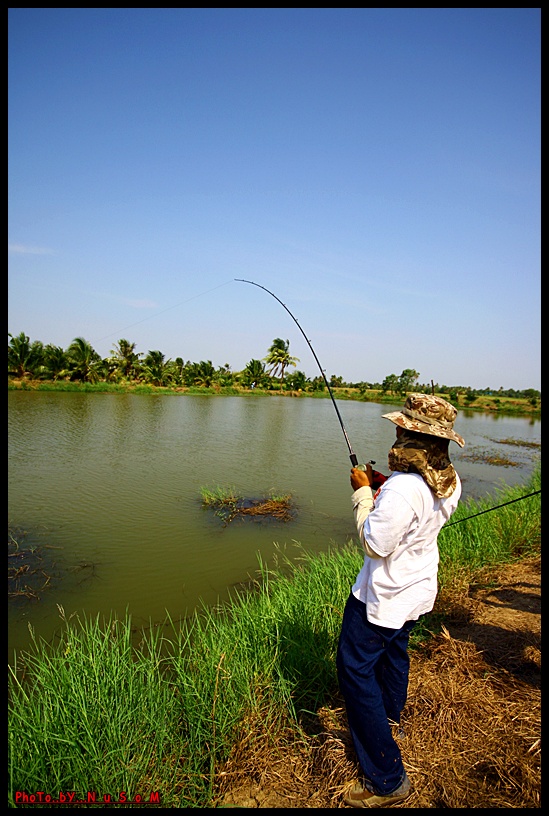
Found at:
<point>363,504</point>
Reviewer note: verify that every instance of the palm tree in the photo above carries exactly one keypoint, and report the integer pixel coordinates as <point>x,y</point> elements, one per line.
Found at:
<point>296,381</point>
<point>279,357</point>
<point>318,384</point>
<point>254,372</point>
<point>126,358</point>
<point>205,374</point>
<point>156,368</point>
<point>24,357</point>
<point>177,369</point>
<point>224,375</point>
<point>84,363</point>
<point>55,362</point>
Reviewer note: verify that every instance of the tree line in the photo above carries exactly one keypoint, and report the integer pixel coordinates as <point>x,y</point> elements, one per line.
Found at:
<point>79,362</point>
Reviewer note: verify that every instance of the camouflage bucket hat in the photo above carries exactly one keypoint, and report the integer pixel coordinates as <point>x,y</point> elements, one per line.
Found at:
<point>425,413</point>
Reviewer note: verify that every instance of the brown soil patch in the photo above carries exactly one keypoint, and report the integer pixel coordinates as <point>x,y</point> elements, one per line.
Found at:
<point>472,724</point>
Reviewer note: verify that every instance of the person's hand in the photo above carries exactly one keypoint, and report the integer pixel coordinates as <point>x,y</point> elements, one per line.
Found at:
<point>361,478</point>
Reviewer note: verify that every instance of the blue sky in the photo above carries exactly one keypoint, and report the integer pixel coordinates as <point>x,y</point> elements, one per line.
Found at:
<point>378,170</point>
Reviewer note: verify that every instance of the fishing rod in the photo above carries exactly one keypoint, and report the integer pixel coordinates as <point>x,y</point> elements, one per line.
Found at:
<point>352,455</point>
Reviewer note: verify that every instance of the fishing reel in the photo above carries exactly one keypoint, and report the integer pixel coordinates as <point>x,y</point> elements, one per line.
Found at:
<point>365,467</point>
<point>377,478</point>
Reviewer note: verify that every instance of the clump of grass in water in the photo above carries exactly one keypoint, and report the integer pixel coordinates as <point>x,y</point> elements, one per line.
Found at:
<point>478,455</point>
<point>228,504</point>
<point>521,443</point>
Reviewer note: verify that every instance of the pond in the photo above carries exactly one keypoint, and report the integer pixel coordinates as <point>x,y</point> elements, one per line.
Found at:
<point>108,490</point>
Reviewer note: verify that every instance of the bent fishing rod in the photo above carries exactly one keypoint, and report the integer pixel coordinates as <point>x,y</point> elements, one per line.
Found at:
<point>352,455</point>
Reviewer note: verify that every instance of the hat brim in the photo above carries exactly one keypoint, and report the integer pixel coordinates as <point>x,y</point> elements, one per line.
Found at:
<point>403,421</point>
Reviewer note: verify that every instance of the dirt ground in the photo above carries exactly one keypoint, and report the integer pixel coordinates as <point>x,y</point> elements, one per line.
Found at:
<point>472,723</point>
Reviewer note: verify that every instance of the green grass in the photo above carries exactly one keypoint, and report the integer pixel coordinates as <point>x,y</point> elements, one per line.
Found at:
<point>217,496</point>
<point>98,710</point>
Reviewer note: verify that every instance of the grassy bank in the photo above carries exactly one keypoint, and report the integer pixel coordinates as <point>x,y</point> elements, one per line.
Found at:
<point>98,712</point>
<point>486,404</point>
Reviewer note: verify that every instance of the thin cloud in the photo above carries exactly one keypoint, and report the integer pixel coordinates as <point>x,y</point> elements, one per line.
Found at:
<point>21,249</point>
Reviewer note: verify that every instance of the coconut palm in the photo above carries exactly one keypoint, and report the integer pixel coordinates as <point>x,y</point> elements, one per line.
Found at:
<point>24,357</point>
<point>278,358</point>
<point>318,384</point>
<point>55,362</point>
<point>205,374</point>
<point>177,369</point>
<point>126,359</point>
<point>254,372</point>
<point>296,381</point>
<point>84,363</point>
<point>156,368</point>
<point>225,376</point>
<point>173,371</point>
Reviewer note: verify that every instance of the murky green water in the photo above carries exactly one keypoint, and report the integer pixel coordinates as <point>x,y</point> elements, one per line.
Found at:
<point>108,487</point>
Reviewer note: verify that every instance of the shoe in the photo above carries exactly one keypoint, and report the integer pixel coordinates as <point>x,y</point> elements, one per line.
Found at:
<point>359,796</point>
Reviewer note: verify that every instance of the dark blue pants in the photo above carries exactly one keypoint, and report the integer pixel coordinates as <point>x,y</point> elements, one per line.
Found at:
<point>372,669</point>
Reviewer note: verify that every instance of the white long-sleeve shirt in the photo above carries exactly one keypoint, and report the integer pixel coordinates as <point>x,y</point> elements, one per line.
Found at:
<point>398,530</point>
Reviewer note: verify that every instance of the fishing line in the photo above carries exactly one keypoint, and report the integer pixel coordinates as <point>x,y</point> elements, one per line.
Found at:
<point>352,455</point>
<point>156,314</point>
<point>489,510</point>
